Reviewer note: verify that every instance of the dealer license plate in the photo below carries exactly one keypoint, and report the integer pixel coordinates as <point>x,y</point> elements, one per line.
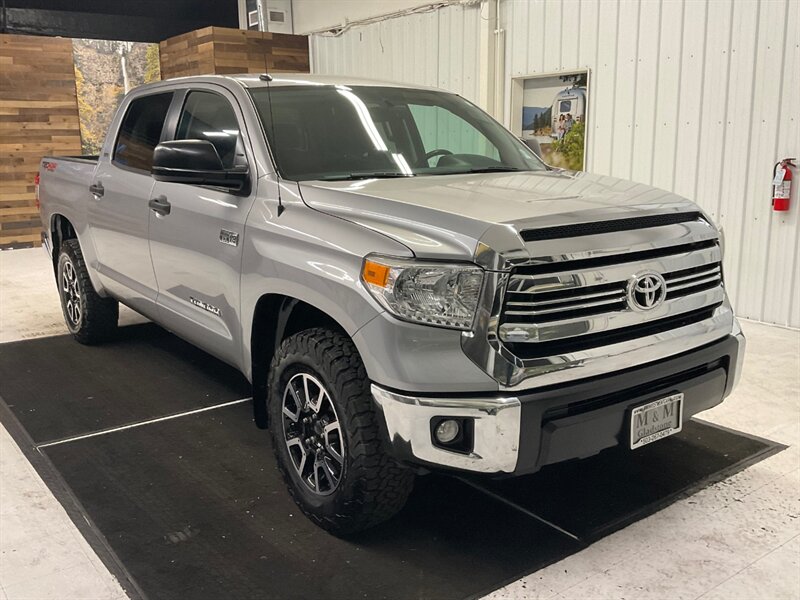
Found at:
<point>656,420</point>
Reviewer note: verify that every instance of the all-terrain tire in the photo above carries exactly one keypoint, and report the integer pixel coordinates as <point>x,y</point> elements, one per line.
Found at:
<point>373,486</point>
<point>90,318</point>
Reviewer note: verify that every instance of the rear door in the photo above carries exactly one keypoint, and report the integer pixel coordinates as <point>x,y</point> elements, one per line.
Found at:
<point>118,211</point>
<point>197,247</point>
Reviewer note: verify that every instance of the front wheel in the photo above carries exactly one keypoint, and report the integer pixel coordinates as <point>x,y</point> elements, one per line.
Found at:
<point>325,434</point>
<point>90,318</point>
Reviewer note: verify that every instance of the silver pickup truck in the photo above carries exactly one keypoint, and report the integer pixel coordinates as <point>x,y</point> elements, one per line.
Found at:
<point>406,285</point>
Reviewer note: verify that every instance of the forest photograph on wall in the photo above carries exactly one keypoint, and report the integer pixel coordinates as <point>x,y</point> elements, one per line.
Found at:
<point>104,72</point>
<point>554,110</point>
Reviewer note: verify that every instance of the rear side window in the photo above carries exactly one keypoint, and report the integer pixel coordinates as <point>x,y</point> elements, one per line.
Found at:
<point>140,131</point>
<point>209,116</point>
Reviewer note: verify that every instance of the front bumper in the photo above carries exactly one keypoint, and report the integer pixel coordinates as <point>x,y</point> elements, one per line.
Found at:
<point>520,433</point>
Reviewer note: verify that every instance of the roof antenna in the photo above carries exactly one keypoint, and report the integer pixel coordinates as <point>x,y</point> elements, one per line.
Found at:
<point>268,78</point>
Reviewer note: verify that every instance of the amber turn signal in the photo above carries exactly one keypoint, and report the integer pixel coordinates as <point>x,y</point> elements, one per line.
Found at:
<point>375,273</point>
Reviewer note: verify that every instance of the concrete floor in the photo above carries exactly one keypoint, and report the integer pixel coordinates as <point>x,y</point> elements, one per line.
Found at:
<point>737,539</point>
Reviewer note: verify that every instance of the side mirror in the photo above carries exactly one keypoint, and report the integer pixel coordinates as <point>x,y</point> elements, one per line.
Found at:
<point>534,146</point>
<point>196,162</point>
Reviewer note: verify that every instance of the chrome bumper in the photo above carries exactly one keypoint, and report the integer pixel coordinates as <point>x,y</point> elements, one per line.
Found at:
<point>499,447</point>
<point>738,335</point>
<point>496,434</point>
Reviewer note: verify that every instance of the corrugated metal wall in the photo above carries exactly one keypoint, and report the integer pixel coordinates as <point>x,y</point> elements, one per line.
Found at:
<point>438,49</point>
<point>696,96</point>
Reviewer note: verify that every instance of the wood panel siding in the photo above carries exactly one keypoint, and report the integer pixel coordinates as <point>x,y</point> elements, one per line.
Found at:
<point>38,116</point>
<point>219,50</point>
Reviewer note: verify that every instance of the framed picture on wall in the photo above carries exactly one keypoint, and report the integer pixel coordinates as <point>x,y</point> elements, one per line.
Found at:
<point>550,114</point>
<point>106,70</point>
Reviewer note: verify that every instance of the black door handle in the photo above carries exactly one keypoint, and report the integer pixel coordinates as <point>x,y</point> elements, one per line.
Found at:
<point>97,189</point>
<point>160,205</point>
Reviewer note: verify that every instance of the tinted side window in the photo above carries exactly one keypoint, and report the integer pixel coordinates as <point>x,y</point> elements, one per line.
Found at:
<point>209,116</point>
<point>141,130</point>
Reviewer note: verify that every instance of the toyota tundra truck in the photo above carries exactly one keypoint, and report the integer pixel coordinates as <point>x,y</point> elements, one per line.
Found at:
<point>406,285</point>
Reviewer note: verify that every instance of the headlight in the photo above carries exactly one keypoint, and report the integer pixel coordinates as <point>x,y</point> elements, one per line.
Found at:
<point>445,295</point>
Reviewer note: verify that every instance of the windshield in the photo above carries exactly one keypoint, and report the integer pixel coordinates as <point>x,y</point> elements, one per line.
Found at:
<point>355,132</point>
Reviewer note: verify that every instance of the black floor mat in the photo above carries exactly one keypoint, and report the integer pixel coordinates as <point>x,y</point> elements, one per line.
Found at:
<point>59,388</point>
<point>594,497</point>
<point>193,507</point>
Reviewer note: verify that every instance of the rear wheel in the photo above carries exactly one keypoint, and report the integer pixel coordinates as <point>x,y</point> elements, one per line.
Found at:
<point>325,434</point>
<point>90,318</point>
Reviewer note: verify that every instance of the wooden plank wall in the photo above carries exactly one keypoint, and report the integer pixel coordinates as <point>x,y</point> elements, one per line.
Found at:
<point>218,50</point>
<point>188,54</point>
<point>39,108</point>
<point>38,116</point>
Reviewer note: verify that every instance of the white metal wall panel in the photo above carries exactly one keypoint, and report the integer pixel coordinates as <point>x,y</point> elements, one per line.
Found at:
<point>700,97</point>
<point>737,151</point>
<point>382,51</point>
<point>667,92</point>
<point>695,96</point>
<point>438,49</point>
<point>784,239</point>
<point>646,95</point>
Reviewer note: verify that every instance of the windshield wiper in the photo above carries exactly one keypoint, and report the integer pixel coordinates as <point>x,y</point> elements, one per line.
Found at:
<point>366,175</point>
<point>496,169</point>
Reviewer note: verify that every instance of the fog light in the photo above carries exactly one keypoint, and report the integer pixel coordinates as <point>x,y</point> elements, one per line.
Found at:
<point>447,431</point>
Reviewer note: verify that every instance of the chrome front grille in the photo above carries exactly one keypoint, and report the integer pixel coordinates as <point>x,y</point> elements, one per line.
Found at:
<point>540,307</point>
<point>560,301</point>
<point>690,281</point>
<point>543,306</point>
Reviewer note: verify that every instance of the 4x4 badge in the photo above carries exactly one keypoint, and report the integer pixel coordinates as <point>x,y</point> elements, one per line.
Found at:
<point>646,291</point>
<point>229,237</point>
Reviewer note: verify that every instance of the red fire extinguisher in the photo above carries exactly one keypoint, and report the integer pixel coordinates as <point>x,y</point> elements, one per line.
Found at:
<point>782,184</point>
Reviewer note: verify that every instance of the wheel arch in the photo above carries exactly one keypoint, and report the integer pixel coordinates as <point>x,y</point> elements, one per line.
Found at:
<point>275,318</point>
<point>61,229</point>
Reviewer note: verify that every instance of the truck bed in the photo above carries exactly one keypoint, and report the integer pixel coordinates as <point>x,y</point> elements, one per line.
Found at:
<point>64,186</point>
<point>90,158</point>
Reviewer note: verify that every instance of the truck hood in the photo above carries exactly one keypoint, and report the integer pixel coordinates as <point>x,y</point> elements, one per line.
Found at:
<point>445,217</point>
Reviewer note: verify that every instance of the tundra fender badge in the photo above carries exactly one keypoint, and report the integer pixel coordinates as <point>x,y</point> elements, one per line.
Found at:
<point>204,305</point>
<point>231,238</point>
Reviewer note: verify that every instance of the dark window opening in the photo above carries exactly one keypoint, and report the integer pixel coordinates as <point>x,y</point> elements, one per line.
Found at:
<point>209,116</point>
<point>140,131</point>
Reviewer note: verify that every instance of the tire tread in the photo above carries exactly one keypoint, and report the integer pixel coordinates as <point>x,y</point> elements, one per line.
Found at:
<point>100,315</point>
<point>382,485</point>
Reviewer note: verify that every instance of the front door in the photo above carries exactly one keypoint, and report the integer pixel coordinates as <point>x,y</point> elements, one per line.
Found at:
<point>197,246</point>
<point>118,211</point>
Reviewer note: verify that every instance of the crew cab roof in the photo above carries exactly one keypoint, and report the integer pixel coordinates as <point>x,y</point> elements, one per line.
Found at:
<point>252,80</point>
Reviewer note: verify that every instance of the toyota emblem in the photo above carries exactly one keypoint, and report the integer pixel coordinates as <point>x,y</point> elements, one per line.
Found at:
<point>646,291</point>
